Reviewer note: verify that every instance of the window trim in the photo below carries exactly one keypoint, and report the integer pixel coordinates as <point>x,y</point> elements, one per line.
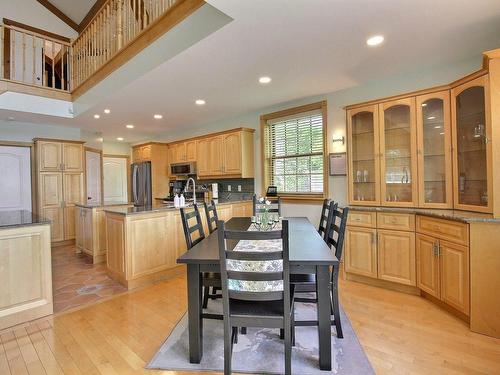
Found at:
<point>265,173</point>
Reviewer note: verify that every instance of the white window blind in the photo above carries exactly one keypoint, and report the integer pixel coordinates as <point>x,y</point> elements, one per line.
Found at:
<point>295,153</point>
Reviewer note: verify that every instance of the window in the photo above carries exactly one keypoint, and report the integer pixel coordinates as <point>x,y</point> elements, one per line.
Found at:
<point>294,151</point>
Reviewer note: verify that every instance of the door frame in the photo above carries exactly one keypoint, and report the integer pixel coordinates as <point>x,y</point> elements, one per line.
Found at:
<point>97,151</point>
<point>129,177</point>
<point>31,146</point>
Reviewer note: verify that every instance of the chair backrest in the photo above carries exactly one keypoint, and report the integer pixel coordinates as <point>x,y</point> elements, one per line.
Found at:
<point>274,207</point>
<point>212,217</point>
<point>231,274</point>
<point>189,231</point>
<point>337,221</point>
<point>323,221</point>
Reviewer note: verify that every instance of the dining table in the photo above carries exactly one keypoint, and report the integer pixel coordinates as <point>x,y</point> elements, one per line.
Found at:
<point>308,254</point>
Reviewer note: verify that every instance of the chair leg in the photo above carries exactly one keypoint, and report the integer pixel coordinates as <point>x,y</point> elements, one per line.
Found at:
<point>206,293</point>
<point>336,311</point>
<point>235,335</point>
<point>282,334</point>
<point>243,330</point>
<point>228,349</point>
<point>292,321</point>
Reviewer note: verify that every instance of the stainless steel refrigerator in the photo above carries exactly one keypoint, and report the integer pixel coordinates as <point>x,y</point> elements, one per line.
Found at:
<point>141,183</point>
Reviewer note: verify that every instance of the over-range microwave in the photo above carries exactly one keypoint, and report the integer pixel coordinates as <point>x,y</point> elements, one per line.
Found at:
<point>183,168</point>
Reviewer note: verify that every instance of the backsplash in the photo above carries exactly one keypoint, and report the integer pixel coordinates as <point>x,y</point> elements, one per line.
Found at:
<point>247,187</point>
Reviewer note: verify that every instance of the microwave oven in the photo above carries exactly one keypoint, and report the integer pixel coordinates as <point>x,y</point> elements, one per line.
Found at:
<point>182,168</point>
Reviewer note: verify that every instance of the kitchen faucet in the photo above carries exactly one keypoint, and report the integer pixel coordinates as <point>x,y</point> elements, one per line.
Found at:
<point>194,188</point>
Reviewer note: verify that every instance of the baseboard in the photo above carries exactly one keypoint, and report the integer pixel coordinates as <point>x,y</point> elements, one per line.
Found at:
<point>408,289</point>
<point>63,243</point>
<point>460,315</point>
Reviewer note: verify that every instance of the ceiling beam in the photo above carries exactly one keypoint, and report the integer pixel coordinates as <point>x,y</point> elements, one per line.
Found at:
<point>90,15</point>
<point>53,9</point>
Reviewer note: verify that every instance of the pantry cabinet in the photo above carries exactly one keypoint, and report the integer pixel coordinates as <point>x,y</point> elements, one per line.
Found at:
<point>59,177</point>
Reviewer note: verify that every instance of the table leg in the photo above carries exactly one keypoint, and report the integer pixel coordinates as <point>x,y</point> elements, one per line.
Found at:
<point>324,315</point>
<point>194,313</point>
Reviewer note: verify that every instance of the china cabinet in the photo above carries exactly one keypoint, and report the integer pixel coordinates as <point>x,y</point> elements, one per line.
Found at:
<point>364,168</point>
<point>398,156</point>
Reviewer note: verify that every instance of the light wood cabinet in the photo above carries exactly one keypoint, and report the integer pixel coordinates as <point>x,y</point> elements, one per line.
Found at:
<point>434,150</point>
<point>428,272</point>
<point>396,256</point>
<point>231,152</point>
<point>472,152</point>
<point>215,157</point>
<point>364,157</point>
<point>361,251</point>
<point>191,150</point>
<point>203,152</point>
<point>59,184</point>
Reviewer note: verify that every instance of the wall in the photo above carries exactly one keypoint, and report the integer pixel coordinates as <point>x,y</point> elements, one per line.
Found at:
<point>25,132</point>
<point>116,148</point>
<point>336,102</point>
<point>32,13</point>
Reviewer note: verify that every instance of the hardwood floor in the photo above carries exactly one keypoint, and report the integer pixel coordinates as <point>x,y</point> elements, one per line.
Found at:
<point>401,334</point>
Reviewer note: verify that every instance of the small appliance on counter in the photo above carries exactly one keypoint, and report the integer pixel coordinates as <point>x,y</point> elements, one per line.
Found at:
<point>215,190</point>
<point>272,191</point>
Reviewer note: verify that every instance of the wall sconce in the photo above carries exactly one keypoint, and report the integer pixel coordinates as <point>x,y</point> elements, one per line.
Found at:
<point>339,139</point>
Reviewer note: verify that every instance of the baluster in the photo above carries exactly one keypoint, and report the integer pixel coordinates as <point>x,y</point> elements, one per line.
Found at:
<point>33,45</point>
<point>119,26</point>
<point>23,41</point>
<point>63,52</point>
<point>2,63</point>
<point>13,54</point>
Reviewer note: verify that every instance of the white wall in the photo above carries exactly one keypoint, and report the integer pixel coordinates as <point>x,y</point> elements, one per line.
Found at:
<point>116,148</point>
<point>32,13</point>
<point>25,132</point>
<point>336,119</point>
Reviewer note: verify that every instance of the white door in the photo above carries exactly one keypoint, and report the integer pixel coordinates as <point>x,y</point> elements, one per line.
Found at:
<point>93,173</point>
<point>115,173</point>
<point>15,178</point>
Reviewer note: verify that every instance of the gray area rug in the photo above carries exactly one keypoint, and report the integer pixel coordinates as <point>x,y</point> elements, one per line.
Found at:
<point>261,351</point>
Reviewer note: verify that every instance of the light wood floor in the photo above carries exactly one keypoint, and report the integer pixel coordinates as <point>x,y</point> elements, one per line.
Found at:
<point>401,334</point>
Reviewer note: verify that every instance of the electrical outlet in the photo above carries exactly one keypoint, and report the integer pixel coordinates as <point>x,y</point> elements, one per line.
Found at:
<point>228,187</point>
<point>239,187</point>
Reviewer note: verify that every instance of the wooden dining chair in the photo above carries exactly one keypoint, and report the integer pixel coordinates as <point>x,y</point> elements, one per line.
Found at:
<point>212,217</point>
<point>244,306</point>
<point>194,234</point>
<point>275,207</point>
<point>324,217</point>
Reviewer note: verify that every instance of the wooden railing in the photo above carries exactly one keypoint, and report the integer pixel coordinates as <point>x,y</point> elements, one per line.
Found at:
<point>34,59</point>
<point>114,26</point>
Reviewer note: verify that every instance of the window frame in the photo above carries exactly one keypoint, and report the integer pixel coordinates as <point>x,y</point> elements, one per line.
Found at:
<point>322,106</point>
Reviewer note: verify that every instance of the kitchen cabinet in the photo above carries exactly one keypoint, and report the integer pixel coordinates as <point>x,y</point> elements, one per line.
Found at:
<point>472,152</point>
<point>191,151</point>
<point>364,160</point>
<point>231,144</point>
<point>396,256</point>
<point>49,156</point>
<point>203,151</point>
<point>215,156</point>
<point>428,265</point>
<point>434,150</point>
<point>361,251</point>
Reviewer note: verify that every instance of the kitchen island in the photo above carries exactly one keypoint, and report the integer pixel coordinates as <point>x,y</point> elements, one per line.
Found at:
<point>25,268</point>
<point>143,243</point>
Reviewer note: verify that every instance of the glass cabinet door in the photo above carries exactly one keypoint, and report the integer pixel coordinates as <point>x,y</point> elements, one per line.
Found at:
<point>471,151</point>
<point>398,153</point>
<point>434,150</point>
<point>364,182</point>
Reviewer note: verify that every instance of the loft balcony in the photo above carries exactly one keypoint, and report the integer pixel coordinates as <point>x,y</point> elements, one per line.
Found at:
<point>37,63</point>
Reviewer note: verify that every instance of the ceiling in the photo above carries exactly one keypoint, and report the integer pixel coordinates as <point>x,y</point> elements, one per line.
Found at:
<point>307,47</point>
<point>74,9</point>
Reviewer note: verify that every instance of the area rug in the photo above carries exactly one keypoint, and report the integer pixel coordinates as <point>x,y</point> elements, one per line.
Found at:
<point>261,351</point>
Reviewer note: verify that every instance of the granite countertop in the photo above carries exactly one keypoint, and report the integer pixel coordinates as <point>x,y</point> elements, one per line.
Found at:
<point>166,207</point>
<point>456,215</point>
<point>99,205</point>
<point>20,218</point>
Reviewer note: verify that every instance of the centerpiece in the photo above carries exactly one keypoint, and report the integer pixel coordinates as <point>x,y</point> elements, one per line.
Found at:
<point>264,220</point>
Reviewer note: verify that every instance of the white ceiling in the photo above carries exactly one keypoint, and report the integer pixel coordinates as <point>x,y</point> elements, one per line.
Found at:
<point>307,47</point>
<point>74,9</point>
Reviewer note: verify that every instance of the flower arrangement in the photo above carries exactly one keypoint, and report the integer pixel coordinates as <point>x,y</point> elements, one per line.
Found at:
<point>264,220</point>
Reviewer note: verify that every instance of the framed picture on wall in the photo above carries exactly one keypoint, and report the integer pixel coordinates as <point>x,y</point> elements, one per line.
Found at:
<point>338,164</point>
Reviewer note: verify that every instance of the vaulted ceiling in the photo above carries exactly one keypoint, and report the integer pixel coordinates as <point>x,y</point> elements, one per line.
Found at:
<point>74,9</point>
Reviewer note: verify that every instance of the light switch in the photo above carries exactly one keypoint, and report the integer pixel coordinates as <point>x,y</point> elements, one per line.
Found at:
<point>239,187</point>
<point>228,187</point>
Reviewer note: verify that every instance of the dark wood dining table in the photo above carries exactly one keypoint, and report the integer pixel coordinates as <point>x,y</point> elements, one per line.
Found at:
<point>308,253</point>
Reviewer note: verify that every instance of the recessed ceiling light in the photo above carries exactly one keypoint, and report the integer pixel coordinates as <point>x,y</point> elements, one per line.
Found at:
<point>96,116</point>
<point>441,133</point>
<point>107,111</point>
<point>375,40</point>
<point>129,126</point>
<point>200,102</point>
<point>119,139</point>
<point>264,80</point>
<point>437,127</point>
<point>100,139</point>
<point>424,104</point>
<point>10,118</point>
<point>158,117</point>
<point>431,117</point>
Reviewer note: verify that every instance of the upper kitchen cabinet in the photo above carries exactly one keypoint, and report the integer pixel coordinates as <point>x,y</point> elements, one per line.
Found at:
<point>471,146</point>
<point>191,150</point>
<point>55,155</point>
<point>202,164</point>
<point>434,150</point>
<point>398,158</point>
<point>72,157</point>
<point>364,162</point>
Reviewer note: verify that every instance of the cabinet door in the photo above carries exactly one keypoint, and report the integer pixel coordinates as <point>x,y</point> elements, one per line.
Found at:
<point>225,212</point>
<point>361,251</point>
<point>72,157</point>
<point>79,230</point>
<point>398,162</point>
<point>364,161</point>
<point>215,157</point>
<point>434,150</point>
<point>191,151</point>
<point>428,265</point>
<point>231,144</point>
<point>56,217</point>
<point>136,155</point>
<point>455,275</point>
<point>396,257</point>
<point>88,230</point>
<point>69,223</point>
<point>49,156</point>
<point>72,194</point>
<point>180,152</point>
<point>203,157</point>
<point>471,146</point>
<point>51,191</point>
<point>146,153</point>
